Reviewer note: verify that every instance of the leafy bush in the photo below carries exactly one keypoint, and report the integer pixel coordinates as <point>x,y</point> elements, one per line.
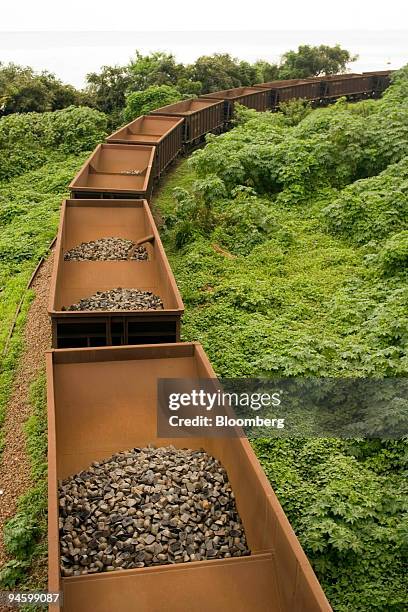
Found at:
<point>142,102</point>
<point>350,520</point>
<point>270,291</point>
<point>20,536</point>
<point>394,253</point>
<point>12,573</point>
<point>294,111</point>
<point>373,208</point>
<point>29,140</point>
<point>330,147</point>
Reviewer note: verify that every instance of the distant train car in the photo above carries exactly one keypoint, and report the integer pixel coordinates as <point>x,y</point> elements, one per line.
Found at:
<point>116,171</point>
<point>381,79</point>
<point>304,90</point>
<point>355,86</point>
<point>252,97</point>
<point>165,133</point>
<point>201,116</point>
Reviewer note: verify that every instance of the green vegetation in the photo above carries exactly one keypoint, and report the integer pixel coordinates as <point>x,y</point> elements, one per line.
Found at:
<point>314,61</point>
<point>30,140</point>
<point>55,144</point>
<point>25,533</point>
<point>142,102</point>
<point>39,154</point>
<point>288,239</point>
<point>23,90</point>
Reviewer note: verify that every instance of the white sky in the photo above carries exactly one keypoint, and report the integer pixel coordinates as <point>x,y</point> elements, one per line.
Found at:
<point>165,15</point>
<point>74,37</point>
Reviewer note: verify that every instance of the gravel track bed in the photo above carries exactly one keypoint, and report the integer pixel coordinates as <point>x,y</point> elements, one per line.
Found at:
<point>147,507</point>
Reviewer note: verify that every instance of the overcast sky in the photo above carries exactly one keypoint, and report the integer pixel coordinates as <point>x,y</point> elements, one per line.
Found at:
<point>202,15</point>
<point>74,38</point>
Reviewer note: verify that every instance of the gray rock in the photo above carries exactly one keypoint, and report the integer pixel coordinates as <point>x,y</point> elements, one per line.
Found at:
<point>107,249</point>
<point>148,507</point>
<point>119,299</point>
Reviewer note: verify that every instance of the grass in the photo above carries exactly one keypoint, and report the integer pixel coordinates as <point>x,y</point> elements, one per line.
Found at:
<point>25,533</point>
<point>29,213</point>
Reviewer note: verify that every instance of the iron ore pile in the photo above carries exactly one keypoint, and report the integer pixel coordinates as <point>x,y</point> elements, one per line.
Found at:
<point>107,249</point>
<point>119,299</point>
<point>147,507</point>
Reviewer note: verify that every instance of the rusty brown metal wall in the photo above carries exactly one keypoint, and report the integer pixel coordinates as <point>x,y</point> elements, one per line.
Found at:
<point>165,133</point>
<point>347,85</point>
<point>203,122</point>
<point>86,394</point>
<point>305,90</point>
<point>197,121</point>
<point>169,148</point>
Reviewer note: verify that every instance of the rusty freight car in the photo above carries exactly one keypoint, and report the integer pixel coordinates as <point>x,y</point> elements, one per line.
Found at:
<point>116,171</point>
<point>165,133</point>
<point>102,401</point>
<point>352,86</point>
<point>380,79</point>
<point>251,97</point>
<point>201,116</point>
<point>84,221</point>
<point>300,89</point>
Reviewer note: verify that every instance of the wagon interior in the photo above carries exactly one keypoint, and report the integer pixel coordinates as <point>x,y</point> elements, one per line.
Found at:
<point>148,128</point>
<point>105,401</point>
<point>124,219</point>
<point>234,93</point>
<point>114,167</point>
<point>186,107</point>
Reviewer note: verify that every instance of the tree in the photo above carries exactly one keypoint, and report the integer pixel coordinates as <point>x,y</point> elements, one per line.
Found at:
<point>189,88</point>
<point>142,102</point>
<point>23,91</point>
<point>158,68</point>
<point>107,90</point>
<point>310,61</point>
<point>265,71</point>
<point>221,71</point>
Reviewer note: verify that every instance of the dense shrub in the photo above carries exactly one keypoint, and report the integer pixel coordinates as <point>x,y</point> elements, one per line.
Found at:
<point>394,253</point>
<point>29,140</point>
<point>373,208</point>
<point>142,102</point>
<point>330,147</point>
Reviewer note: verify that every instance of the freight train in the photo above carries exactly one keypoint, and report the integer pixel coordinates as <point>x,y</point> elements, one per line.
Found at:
<point>103,370</point>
